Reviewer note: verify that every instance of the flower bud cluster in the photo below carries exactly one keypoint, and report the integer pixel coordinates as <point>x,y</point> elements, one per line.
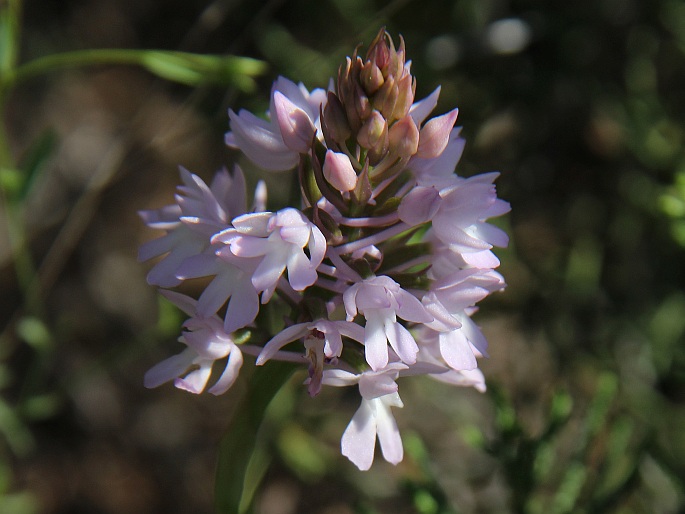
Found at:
<point>379,266</point>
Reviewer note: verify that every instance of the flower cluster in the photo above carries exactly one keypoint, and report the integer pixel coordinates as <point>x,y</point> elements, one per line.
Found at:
<point>380,265</point>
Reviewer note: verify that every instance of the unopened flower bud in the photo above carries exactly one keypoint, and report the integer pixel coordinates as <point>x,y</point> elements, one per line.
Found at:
<point>380,49</point>
<point>373,130</point>
<point>362,105</point>
<point>405,96</point>
<point>386,97</point>
<point>334,123</point>
<point>338,171</point>
<point>297,129</point>
<point>435,134</point>
<point>371,77</point>
<point>403,138</point>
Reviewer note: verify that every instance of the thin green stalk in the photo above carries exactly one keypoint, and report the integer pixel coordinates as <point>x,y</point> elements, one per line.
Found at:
<point>10,16</point>
<point>186,68</point>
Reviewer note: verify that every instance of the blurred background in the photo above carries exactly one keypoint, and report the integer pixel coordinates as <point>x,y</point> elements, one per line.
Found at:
<point>579,105</point>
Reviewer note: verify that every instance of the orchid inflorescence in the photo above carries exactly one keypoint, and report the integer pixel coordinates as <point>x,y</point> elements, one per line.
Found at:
<point>380,265</point>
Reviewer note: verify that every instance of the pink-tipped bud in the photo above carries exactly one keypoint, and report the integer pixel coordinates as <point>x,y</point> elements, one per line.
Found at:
<point>380,51</point>
<point>403,137</point>
<point>338,171</point>
<point>297,129</point>
<point>373,132</point>
<point>435,134</point>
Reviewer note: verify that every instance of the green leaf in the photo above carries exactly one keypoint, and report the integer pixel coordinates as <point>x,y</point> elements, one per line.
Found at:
<point>186,68</point>
<point>232,490</point>
<point>195,69</point>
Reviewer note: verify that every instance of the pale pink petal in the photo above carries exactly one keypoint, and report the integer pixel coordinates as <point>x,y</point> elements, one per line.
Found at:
<point>169,369</point>
<point>484,259</point>
<point>297,129</point>
<point>350,300</point>
<point>200,265</point>
<point>301,274</point>
<point>409,308</point>
<point>451,233</point>
<point>243,306</point>
<point>183,302</point>
<point>359,439</point>
<point>351,330</point>
<point>261,142</point>
<point>247,246</point>
<point>164,218</point>
<point>419,206</point>
<point>466,378</point>
<point>455,349</point>
<point>253,224</point>
<point>195,381</point>
<point>376,343</point>
<point>339,378</point>
<point>228,377</point>
<point>401,341</point>
<point>443,319</point>
<point>420,110</point>
<point>492,234</point>
<point>269,271</point>
<point>317,246</point>
<point>215,294</point>
<point>373,385</point>
<point>388,433</point>
<point>435,134</point>
<point>474,335</point>
<point>285,336</point>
